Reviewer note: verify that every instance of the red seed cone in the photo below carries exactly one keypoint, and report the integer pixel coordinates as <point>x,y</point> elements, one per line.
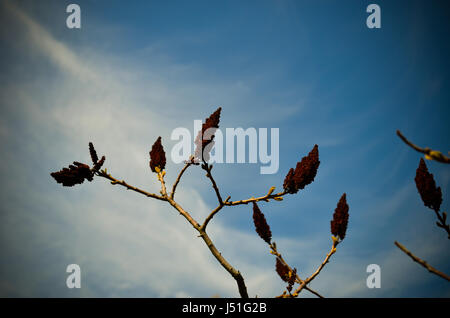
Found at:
<point>261,226</point>
<point>340,218</point>
<point>157,156</point>
<point>282,270</point>
<point>431,196</point>
<point>291,280</point>
<point>99,164</point>
<point>289,182</point>
<point>203,146</point>
<point>306,169</point>
<point>74,174</point>
<point>93,153</point>
<point>304,172</point>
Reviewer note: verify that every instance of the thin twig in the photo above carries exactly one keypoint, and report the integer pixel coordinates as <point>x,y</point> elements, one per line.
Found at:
<point>442,219</point>
<point>275,252</point>
<point>433,154</point>
<point>430,268</point>
<point>115,181</point>
<point>183,212</point>
<point>267,197</point>
<point>208,168</point>
<point>174,187</point>
<point>163,183</point>
<point>314,275</point>
<point>213,212</point>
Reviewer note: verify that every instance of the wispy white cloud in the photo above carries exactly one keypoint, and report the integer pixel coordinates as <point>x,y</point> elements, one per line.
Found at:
<point>41,39</point>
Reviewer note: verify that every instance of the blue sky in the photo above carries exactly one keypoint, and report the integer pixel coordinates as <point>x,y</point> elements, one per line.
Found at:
<point>138,70</point>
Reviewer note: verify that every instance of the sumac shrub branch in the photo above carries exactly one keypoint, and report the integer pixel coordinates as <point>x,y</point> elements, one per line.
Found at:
<point>296,179</point>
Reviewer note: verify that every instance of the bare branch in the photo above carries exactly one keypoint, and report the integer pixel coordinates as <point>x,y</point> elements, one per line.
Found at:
<point>174,187</point>
<point>201,229</point>
<point>275,252</point>
<point>233,272</point>
<point>430,268</point>
<point>267,197</point>
<point>430,154</point>
<point>213,212</point>
<point>208,169</point>
<point>184,213</point>
<point>230,269</point>
<point>114,181</point>
<point>319,269</point>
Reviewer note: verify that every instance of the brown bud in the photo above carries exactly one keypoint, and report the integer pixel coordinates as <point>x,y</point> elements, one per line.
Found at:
<point>282,270</point>
<point>157,156</point>
<point>75,174</point>
<point>93,153</point>
<point>204,140</point>
<point>261,226</point>
<point>340,218</point>
<point>99,164</point>
<point>431,196</point>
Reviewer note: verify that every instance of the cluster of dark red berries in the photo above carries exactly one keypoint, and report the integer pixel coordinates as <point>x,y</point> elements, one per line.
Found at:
<point>78,172</point>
